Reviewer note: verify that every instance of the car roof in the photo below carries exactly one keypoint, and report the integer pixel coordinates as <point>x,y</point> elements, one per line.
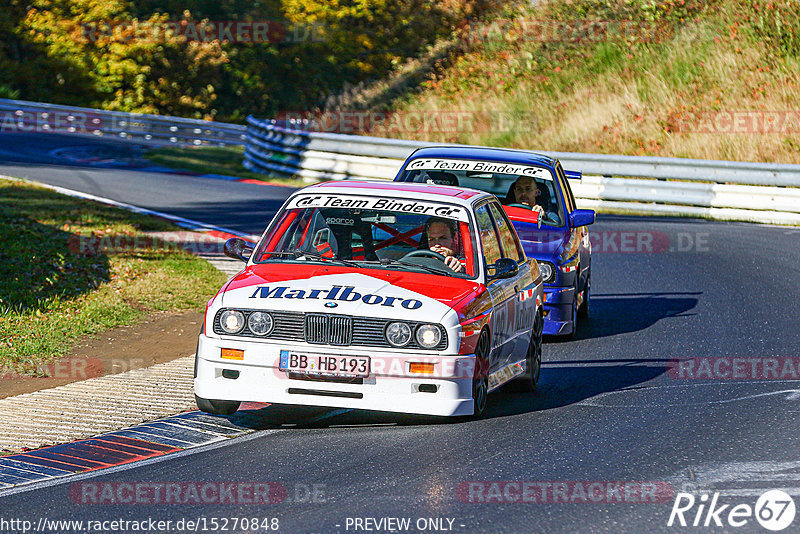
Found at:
<point>459,195</point>
<point>484,153</point>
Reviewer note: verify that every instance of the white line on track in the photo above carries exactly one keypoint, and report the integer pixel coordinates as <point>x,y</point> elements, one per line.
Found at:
<point>180,221</point>
<point>792,394</point>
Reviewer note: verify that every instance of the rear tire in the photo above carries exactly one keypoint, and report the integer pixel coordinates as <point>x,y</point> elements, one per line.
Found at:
<point>217,407</point>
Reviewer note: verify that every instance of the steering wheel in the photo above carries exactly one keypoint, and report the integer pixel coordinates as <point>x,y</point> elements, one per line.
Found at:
<point>520,206</point>
<point>423,253</point>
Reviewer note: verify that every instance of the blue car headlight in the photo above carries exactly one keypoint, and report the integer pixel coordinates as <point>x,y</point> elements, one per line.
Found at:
<point>548,271</point>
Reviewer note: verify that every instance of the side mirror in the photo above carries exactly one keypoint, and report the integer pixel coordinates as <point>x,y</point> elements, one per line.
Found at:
<point>581,218</point>
<point>504,268</point>
<point>238,249</point>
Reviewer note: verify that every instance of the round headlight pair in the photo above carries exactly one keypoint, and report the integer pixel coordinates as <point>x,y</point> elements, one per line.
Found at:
<point>259,323</point>
<point>399,335</point>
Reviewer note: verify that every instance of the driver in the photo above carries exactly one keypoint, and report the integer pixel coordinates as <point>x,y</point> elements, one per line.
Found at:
<point>442,236</point>
<point>526,191</point>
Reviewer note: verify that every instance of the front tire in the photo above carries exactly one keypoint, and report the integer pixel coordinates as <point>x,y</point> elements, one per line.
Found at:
<point>480,378</point>
<point>217,407</point>
<point>583,311</point>
<point>530,380</point>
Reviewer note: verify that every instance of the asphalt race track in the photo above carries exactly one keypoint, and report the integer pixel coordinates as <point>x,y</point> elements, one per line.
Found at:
<point>113,170</point>
<point>611,408</point>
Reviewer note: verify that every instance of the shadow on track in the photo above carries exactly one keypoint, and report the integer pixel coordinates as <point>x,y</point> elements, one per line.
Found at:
<point>622,313</point>
<point>561,384</point>
<point>569,382</point>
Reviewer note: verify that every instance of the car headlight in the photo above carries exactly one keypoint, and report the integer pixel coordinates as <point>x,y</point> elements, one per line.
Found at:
<point>260,323</point>
<point>548,271</point>
<point>232,321</point>
<point>398,334</point>
<point>429,335</point>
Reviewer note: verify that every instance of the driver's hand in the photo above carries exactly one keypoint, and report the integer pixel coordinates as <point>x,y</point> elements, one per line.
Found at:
<point>539,209</point>
<point>444,251</point>
<point>454,264</point>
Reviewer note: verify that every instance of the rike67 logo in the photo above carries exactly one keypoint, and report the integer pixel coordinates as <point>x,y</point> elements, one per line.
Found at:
<point>774,510</point>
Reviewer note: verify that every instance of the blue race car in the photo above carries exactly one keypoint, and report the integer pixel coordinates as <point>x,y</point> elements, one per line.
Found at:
<point>536,196</point>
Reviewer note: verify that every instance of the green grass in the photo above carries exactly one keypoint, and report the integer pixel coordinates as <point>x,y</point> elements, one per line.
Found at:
<point>214,160</point>
<point>53,290</point>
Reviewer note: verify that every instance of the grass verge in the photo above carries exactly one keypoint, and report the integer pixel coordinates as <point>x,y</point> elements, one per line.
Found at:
<point>215,160</point>
<point>710,79</point>
<point>55,289</point>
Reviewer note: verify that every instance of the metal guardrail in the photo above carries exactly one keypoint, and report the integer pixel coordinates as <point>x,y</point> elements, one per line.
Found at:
<point>155,130</point>
<point>723,190</point>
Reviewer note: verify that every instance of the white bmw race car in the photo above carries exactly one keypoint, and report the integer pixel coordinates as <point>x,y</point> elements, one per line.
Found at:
<point>398,297</point>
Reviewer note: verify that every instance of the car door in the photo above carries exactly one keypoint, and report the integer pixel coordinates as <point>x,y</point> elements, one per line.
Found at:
<point>498,288</point>
<point>521,310</point>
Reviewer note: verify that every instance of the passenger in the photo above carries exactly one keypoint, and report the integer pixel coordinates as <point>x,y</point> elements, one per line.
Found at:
<point>442,236</point>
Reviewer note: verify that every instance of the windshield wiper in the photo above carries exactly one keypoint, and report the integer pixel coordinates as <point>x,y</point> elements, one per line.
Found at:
<point>293,254</point>
<point>296,254</point>
<point>434,270</point>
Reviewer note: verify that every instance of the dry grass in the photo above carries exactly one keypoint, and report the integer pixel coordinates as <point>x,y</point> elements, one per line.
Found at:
<point>665,98</point>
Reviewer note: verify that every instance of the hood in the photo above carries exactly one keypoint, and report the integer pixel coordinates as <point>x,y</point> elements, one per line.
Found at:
<point>347,291</point>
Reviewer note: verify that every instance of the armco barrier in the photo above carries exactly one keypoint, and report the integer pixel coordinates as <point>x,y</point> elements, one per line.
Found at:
<point>723,190</point>
<point>154,130</point>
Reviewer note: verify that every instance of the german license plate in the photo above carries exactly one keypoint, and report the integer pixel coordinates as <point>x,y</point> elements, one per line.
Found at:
<point>324,364</point>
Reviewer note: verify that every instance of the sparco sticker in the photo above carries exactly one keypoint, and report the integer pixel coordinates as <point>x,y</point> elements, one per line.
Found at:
<point>420,207</point>
<point>479,166</point>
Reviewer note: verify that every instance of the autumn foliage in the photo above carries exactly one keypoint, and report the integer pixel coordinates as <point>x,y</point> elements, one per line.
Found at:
<point>138,57</point>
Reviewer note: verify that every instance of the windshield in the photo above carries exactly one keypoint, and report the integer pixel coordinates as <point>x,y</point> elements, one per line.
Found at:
<point>371,232</point>
<point>526,186</point>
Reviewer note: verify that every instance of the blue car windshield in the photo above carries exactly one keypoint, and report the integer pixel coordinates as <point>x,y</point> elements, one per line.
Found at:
<point>521,185</point>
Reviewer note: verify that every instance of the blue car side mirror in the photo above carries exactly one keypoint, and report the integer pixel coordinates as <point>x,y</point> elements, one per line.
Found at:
<point>581,218</point>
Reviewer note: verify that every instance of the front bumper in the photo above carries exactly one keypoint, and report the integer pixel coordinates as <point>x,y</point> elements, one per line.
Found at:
<point>389,387</point>
<point>558,310</point>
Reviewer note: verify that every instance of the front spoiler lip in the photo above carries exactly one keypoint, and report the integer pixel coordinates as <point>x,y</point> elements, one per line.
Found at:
<point>558,305</point>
